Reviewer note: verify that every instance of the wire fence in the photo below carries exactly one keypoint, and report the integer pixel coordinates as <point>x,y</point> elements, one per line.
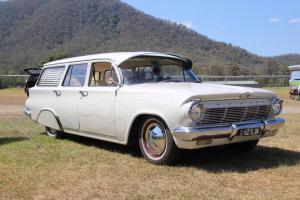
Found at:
<point>7,81</point>
<point>259,81</point>
<point>12,81</point>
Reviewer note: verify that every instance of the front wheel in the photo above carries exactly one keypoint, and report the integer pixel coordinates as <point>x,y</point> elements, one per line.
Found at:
<point>156,142</point>
<point>54,133</point>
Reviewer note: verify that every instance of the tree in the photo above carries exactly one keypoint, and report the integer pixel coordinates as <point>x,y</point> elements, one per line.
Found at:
<point>53,58</point>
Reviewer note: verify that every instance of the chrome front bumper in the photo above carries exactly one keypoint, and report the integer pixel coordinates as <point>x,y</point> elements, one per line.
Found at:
<point>268,128</point>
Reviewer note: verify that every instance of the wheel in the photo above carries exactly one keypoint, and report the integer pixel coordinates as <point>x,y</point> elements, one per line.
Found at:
<point>54,133</point>
<point>243,146</point>
<point>156,142</point>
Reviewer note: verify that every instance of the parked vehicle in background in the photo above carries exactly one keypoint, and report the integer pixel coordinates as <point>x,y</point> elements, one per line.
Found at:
<point>150,99</point>
<point>294,81</point>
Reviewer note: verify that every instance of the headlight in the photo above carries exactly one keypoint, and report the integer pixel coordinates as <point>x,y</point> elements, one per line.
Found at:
<point>196,112</point>
<point>277,106</point>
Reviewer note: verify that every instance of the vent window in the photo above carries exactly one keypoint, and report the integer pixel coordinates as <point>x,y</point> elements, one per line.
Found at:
<point>51,76</point>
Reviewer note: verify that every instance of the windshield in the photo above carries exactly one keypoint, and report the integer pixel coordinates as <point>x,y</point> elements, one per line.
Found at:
<point>154,69</point>
<point>295,75</point>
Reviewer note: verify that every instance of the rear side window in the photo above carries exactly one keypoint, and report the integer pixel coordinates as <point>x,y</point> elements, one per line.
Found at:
<point>51,76</point>
<point>75,76</point>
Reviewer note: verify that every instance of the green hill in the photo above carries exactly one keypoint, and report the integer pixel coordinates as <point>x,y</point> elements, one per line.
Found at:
<point>33,30</point>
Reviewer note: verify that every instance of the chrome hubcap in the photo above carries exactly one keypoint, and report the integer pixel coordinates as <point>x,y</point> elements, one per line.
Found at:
<point>51,131</point>
<point>155,139</point>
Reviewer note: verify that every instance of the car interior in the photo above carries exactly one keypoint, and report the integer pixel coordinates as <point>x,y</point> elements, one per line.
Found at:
<point>152,69</point>
<point>102,74</point>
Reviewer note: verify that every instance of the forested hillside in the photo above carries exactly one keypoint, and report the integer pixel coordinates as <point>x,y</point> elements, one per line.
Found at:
<point>33,30</point>
<point>288,59</point>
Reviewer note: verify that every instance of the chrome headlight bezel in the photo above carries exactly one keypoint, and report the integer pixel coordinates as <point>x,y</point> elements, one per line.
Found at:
<point>196,112</point>
<point>276,106</point>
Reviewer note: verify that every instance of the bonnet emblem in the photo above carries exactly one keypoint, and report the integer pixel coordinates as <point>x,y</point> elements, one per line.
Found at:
<point>245,95</point>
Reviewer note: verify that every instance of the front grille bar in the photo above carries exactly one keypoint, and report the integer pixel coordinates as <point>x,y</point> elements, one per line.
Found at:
<point>235,114</point>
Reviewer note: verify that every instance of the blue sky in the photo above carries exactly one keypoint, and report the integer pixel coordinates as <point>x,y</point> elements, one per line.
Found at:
<point>264,27</point>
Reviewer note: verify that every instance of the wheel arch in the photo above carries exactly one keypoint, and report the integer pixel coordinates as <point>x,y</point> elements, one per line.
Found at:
<point>47,117</point>
<point>133,130</point>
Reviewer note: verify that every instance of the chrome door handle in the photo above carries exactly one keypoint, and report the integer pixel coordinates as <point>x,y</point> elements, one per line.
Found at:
<point>84,93</point>
<point>57,92</point>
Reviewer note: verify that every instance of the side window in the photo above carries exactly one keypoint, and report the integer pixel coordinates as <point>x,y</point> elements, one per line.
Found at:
<point>75,76</point>
<point>51,77</point>
<point>174,72</point>
<point>102,74</point>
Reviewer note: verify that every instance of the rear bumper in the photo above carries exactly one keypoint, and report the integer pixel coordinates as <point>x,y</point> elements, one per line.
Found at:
<point>27,112</point>
<point>227,134</point>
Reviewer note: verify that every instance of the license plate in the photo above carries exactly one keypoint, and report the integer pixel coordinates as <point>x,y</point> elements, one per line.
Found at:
<point>249,131</point>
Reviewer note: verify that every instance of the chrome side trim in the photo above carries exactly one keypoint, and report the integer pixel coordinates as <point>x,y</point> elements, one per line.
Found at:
<point>229,131</point>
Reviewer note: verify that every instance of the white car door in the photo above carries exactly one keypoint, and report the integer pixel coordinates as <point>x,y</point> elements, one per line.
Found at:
<point>97,103</point>
<point>69,94</point>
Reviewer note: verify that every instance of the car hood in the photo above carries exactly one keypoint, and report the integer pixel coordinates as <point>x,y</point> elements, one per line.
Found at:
<point>203,91</point>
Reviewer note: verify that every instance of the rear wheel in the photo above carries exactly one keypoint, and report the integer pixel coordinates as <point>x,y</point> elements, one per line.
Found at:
<point>54,133</point>
<point>156,142</point>
<point>243,146</point>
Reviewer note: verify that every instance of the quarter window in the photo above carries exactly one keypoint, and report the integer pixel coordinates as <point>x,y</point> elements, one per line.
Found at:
<point>51,76</point>
<point>75,76</point>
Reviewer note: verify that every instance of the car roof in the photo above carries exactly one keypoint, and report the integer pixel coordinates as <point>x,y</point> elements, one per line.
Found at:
<point>116,57</point>
<point>294,67</point>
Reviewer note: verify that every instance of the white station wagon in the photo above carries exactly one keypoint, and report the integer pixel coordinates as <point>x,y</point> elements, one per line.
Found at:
<point>150,99</point>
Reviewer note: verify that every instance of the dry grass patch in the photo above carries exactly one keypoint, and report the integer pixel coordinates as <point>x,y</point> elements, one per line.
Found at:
<point>19,127</point>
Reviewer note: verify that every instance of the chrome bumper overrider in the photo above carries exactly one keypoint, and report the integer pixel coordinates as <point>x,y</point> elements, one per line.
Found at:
<point>196,133</point>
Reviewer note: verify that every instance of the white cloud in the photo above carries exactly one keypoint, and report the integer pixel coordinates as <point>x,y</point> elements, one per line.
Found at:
<point>295,21</point>
<point>188,24</point>
<point>274,20</point>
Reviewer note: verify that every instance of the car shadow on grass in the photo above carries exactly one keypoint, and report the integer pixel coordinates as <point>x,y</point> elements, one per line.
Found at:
<point>109,146</point>
<point>8,140</point>
<point>220,159</point>
<point>213,159</point>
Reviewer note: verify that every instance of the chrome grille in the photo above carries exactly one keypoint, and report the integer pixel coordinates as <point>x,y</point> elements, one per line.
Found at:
<point>235,114</point>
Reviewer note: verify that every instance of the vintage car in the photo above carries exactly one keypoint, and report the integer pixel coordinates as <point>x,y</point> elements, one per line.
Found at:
<point>294,81</point>
<point>150,99</point>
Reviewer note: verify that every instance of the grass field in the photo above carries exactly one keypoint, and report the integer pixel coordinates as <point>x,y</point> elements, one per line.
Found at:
<point>33,166</point>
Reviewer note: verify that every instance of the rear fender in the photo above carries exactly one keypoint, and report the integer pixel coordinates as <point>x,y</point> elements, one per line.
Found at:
<point>48,118</point>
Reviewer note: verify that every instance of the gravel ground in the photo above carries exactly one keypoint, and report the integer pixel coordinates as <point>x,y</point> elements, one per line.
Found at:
<point>291,109</point>
<point>11,110</point>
